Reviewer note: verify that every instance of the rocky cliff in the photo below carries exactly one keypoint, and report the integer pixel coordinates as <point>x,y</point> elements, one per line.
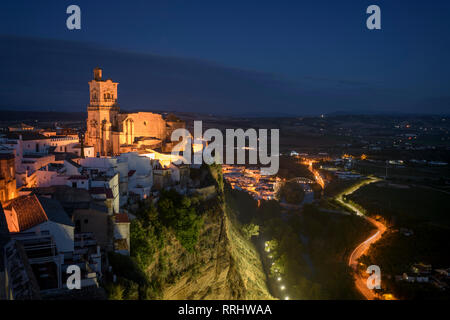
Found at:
<point>189,248</point>
<point>224,265</point>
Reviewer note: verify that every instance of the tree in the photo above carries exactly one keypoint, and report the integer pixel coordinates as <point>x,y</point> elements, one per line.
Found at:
<point>250,230</point>
<point>146,234</point>
<point>179,213</point>
<point>143,243</point>
<point>115,292</point>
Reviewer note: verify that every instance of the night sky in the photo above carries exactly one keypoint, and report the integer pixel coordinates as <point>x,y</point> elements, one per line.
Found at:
<point>229,57</point>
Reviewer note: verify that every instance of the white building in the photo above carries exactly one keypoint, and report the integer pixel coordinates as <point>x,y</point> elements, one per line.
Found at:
<point>30,214</point>
<point>134,171</point>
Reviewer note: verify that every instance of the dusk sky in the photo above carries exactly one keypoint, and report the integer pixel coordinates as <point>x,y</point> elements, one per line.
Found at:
<point>229,57</point>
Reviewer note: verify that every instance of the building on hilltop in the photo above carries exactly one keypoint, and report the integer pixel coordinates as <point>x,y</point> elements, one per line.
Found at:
<point>112,131</point>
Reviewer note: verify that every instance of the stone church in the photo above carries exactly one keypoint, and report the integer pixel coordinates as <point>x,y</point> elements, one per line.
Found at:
<point>112,131</point>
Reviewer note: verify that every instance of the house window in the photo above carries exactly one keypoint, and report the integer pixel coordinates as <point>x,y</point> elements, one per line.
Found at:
<point>86,221</point>
<point>74,184</point>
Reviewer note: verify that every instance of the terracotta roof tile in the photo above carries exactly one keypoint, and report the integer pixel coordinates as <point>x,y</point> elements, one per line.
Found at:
<point>102,190</point>
<point>29,211</point>
<point>121,218</point>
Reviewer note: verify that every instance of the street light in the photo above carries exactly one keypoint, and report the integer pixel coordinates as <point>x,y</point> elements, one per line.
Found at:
<point>282,287</point>
<point>286,298</point>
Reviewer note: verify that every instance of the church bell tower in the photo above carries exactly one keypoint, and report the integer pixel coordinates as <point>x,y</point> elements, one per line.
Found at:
<point>102,114</point>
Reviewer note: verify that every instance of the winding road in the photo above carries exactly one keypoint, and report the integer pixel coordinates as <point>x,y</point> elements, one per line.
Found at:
<point>361,249</point>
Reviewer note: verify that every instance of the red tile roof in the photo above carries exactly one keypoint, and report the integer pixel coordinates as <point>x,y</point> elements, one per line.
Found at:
<point>29,211</point>
<point>102,190</point>
<point>121,218</point>
<point>97,190</point>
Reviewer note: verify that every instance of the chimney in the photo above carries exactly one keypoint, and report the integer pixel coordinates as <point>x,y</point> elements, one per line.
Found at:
<point>97,74</point>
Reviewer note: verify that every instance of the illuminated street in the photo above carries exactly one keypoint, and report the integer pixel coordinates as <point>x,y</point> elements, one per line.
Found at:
<point>362,248</point>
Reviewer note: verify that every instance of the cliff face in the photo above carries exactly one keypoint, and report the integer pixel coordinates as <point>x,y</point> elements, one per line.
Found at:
<point>224,265</point>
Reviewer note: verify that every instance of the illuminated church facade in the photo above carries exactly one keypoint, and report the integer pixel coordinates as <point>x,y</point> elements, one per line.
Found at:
<point>112,132</point>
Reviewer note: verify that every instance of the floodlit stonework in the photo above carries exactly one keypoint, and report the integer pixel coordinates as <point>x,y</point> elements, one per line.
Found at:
<point>112,132</point>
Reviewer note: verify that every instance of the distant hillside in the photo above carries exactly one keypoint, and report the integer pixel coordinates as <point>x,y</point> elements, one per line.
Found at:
<point>40,116</point>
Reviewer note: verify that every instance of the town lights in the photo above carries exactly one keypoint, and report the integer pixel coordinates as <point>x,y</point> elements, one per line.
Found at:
<point>279,279</point>
<point>286,298</point>
<point>282,287</point>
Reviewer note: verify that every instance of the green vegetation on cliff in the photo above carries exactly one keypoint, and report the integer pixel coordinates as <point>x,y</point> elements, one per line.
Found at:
<point>182,215</point>
<point>186,247</point>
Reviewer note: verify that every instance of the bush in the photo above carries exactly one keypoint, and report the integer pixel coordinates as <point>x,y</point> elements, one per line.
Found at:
<point>250,230</point>
<point>179,213</point>
<point>115,291</point>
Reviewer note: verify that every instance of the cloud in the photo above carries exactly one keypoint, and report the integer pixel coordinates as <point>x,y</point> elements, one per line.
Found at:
<point>53,74</point>
<point>43,74</point>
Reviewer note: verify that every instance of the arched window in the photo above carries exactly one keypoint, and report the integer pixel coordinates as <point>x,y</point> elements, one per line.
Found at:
<point>104,96</point>
<point>108,95</point>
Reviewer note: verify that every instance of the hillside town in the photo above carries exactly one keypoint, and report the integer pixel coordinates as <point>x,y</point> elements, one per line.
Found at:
<point>260,187</point>
<point>66,196</point>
